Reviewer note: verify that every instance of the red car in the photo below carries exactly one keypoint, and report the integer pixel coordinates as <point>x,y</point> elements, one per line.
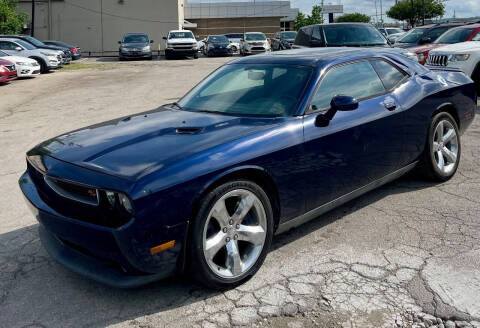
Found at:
<point>7,71</point>
<point>454,35</point>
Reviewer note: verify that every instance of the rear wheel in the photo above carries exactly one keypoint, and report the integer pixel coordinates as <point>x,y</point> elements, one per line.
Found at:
<point>443,149</point>
<point>43,65</point>
<point>195,56</point>
<point>231,234</point>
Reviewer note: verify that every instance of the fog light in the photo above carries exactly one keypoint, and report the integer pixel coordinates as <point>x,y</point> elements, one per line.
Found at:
<point>111,197</point>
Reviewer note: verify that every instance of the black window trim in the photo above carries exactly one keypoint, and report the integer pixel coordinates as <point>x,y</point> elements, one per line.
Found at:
<point>320,110</point>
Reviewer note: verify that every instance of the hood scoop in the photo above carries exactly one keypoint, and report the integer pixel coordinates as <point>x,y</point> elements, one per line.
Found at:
<point>187,130</point>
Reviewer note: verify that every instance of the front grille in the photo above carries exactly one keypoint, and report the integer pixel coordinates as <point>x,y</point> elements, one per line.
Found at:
<point>256,43</point>
<point>258,48</point>
<point>184,44</point>
<point>11,68</point>
<point>437,60</point>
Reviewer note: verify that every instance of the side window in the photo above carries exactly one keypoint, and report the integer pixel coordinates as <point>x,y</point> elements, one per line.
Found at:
<point>5,45</point>
<point>476,37</point>
<point>303,37</point>
<point>389,74</point>
<point>357,80</point>
<point>436,32</point>
<point>317,33</point>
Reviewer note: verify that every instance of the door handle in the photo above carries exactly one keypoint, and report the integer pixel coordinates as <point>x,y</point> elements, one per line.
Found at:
<point>390,105</point>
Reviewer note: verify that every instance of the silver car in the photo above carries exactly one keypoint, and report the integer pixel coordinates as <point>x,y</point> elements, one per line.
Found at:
<point>48,59</point>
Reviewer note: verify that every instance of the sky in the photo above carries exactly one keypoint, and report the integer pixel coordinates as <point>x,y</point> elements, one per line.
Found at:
<point>462,8</point>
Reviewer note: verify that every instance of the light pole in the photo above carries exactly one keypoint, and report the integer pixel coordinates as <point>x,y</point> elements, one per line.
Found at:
<point>413,13</point>
<point>423,12</point>
<point>32,28</point>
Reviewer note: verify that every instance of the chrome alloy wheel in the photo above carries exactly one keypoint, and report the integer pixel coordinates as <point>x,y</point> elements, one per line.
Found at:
<point>234,233</point>
<point>445,146</point>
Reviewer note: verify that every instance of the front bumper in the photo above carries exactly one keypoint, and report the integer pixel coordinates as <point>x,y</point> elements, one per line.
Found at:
<point>26,71</point>
<point>118,257</point>
<point>255,50</point>
<point>220,51</point>
<point>181,51</point>
<point>135,54</point>
<point>10,76</point>
<point>53,63</point>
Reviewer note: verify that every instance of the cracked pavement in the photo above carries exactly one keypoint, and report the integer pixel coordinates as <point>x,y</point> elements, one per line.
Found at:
<point>404,255</point>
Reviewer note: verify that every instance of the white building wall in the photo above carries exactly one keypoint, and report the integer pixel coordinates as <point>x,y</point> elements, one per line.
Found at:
<point>97,25</point>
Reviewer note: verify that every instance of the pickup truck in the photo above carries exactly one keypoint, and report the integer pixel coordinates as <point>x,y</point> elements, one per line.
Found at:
<point>180,43</point>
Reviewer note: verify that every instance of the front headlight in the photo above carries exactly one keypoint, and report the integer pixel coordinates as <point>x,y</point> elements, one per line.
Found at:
<point>47,54</point>
<point>421,58</point>
<point>458,57</point>
<point>22,64</point>
<point>146,48</point>
<point>118,200</point>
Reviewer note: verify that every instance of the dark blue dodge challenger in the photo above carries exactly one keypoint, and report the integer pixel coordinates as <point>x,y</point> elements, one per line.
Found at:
<point>260,146</point>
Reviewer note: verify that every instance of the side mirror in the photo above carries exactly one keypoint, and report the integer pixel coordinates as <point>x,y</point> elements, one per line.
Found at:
<point>119,42</point>
<point>164,38</point>
<point>344,103</point>
<point>339,103</point>
<point>18,48</point>
<point>151,41</point>
<point>425,41</point>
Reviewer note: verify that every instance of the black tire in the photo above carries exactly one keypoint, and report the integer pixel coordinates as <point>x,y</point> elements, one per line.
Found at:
<point>197,263</point>
<point>428,167</point>
<point>167,56</point>
<point>195,56</point>
<point>476,79</point>
<point>43,66</point>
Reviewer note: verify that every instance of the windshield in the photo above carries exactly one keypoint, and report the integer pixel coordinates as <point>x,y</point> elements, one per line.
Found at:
<point>394,30</point>
<point>25,44</point>
<point>249,90</point>
<point>217,39</point>
<point>289,35</point>
<point>255,37</point>
<point>136,38</point>
<point>455,35</point>
<point>358,35</point>
<point>180,35</point>
<point>234,35</point>
<point>412,36</point>
<point>34,41</point>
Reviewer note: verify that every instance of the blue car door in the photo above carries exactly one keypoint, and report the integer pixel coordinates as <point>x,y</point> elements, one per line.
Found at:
<point>357,147</point>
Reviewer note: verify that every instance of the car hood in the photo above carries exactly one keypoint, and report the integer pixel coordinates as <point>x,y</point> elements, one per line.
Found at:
<point>135,146</point>
<point>461,47</point>
<point>182,40</point>
<point>6,62</point>
<point>427,47</point>
<point>16,59</point>
<point>135,45</point>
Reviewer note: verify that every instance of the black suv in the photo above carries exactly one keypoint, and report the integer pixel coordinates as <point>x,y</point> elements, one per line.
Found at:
<point>282,40</point>
<point>340,35</point>
<point>424,34</point>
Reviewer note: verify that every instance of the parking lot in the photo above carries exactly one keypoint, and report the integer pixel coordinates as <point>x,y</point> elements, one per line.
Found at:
<point>407,252</point>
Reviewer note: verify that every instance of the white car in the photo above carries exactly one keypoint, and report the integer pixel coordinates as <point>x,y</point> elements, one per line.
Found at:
<point>254,43</point>
<point>46,58</point>
<point>180,43</point>
<point>464,56</point>
<point>26,67</point>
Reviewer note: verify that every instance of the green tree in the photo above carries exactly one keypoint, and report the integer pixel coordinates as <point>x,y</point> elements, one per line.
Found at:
<point>403,10</point>
<point>304,20</point>
<point>11,22</point>
<point>356,17</point>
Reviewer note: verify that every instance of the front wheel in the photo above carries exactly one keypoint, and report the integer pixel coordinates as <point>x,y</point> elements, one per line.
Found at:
<point>231,234</point>
<point>443,149</point>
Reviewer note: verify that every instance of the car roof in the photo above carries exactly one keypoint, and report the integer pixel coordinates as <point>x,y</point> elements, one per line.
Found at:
<point>135,34</point>
<point>11,39</point>
<point>475,25</point>
<point>321,57</point>
<point>180,31</point>
<point>253,32</point>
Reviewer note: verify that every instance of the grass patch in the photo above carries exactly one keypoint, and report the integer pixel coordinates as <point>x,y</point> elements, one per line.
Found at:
<point>79,66</point>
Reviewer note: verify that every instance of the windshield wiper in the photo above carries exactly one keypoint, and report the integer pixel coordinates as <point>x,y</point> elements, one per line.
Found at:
<point>176,104</point>
<point>213,112</point>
